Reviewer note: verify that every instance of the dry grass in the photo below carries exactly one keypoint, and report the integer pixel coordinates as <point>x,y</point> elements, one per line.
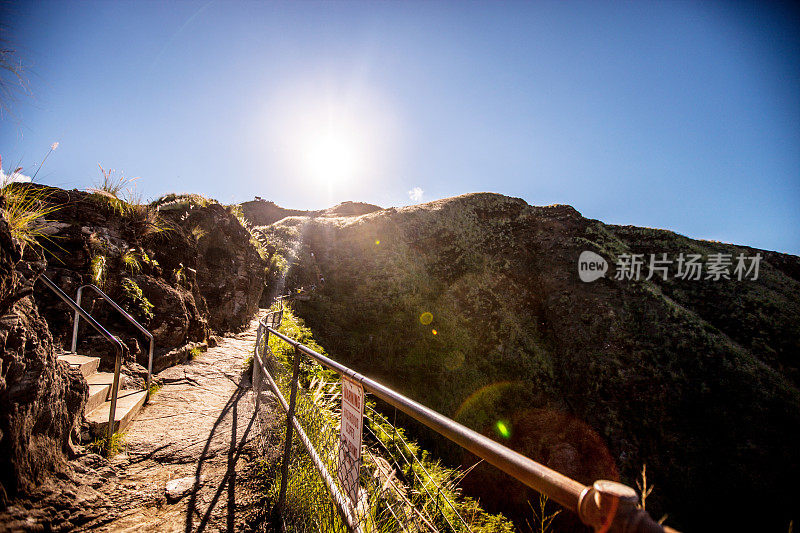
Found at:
<point>120,195</point>
<point>26,209</point>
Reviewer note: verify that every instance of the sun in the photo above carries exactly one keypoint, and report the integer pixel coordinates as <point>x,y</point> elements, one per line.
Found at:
<point>334,157</point>
<point>330,141</point>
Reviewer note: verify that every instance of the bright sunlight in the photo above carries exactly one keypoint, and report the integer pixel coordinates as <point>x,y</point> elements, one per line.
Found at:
<point>329,141</point>
<point>334,157</point>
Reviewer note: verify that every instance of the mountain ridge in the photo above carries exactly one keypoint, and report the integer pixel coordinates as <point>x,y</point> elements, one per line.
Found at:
<point>696,378</point>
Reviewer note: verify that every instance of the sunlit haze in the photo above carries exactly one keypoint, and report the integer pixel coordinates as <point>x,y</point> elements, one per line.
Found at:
<point>679,115</point>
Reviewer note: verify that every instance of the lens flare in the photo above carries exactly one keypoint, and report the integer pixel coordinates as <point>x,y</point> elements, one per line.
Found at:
<point>454,360</point>
<point>426,318</point>
<point>479,400</point>
<point>503,428</point>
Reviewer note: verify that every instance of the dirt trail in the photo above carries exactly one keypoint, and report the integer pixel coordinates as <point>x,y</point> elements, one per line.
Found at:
<point>200,425</point>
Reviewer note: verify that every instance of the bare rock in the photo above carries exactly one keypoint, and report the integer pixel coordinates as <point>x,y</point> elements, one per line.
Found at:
<point>40,398</point>
<point>178,488</point>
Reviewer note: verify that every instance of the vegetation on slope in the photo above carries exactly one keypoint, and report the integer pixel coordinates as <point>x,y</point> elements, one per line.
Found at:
<point>429,489</point>
<point>694,378</point>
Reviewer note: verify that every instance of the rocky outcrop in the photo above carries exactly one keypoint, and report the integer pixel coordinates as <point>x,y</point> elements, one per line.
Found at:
<point>183,268</point>
<point>474,306</point>
<point>41,399</point>
<point>222,257</point>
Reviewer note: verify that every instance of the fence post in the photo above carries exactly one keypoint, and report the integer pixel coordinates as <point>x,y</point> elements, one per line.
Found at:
<point>287,448</point>
<point>256,369</point>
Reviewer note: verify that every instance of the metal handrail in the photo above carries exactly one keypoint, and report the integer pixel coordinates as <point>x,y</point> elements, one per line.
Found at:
<point>607,506</point>
<point>111,338</point>
<point>127,316</point>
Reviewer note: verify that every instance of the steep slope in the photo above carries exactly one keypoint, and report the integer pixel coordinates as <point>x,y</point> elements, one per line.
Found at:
<point>695,378</point>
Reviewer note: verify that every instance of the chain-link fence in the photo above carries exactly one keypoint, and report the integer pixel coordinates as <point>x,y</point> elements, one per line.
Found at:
<point>323,488</point>
<point>394,490</point>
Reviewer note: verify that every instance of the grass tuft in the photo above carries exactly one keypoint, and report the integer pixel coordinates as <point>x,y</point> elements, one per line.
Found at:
<point>118,444</point>
<point>119,194</point>
<point>194,352</point>
<point>26,208</point>
<point>198,233</point>
<point>131,262</point>
<point>116,190</point>
<point>543,521</point>
<point>155,386</point>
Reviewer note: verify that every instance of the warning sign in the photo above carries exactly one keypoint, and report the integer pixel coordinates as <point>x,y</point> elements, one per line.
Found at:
<point>350,436</point>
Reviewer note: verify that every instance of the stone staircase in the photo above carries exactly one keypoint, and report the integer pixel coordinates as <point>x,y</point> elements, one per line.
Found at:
<point>129,402</point>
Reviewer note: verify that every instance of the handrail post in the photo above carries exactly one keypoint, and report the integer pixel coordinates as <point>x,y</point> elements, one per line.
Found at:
<point>256,370</point>
<point>112,414</point>
<point>75,322</point>
<point>609,506</point>
<point>287,447</point>
<point>149,371</point>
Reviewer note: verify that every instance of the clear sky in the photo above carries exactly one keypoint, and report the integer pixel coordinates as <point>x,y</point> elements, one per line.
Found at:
<point>678,115</point>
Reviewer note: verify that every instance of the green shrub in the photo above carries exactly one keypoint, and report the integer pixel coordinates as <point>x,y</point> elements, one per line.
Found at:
<point>97,270</point>
<point>133,295</point>
<point>155,386</point>
<point>431,488</point>
<point>151,261</point>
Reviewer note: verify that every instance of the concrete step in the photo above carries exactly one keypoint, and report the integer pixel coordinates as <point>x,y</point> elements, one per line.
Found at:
<point>99,387</point>
<point>129,403</point>
<point>87,365</point>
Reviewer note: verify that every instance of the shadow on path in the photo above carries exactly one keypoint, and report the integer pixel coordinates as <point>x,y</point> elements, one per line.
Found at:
<point>235,449</point>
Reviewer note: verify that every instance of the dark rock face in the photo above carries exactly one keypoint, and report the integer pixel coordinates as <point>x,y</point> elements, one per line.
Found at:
<point>181,269</point>
<point>41,399</point>
<point>696,379</point>
<point>262,212</point>
<point>226,265</point>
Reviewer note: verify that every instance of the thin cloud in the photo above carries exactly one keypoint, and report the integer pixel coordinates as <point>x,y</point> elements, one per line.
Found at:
<point>15,177</point>
<point>416,194</point>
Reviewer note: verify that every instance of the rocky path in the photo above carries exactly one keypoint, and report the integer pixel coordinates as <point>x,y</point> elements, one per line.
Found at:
<point>191,453</point>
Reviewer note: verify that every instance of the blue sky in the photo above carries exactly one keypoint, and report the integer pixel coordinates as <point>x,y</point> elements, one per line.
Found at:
<point>678,115</point>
